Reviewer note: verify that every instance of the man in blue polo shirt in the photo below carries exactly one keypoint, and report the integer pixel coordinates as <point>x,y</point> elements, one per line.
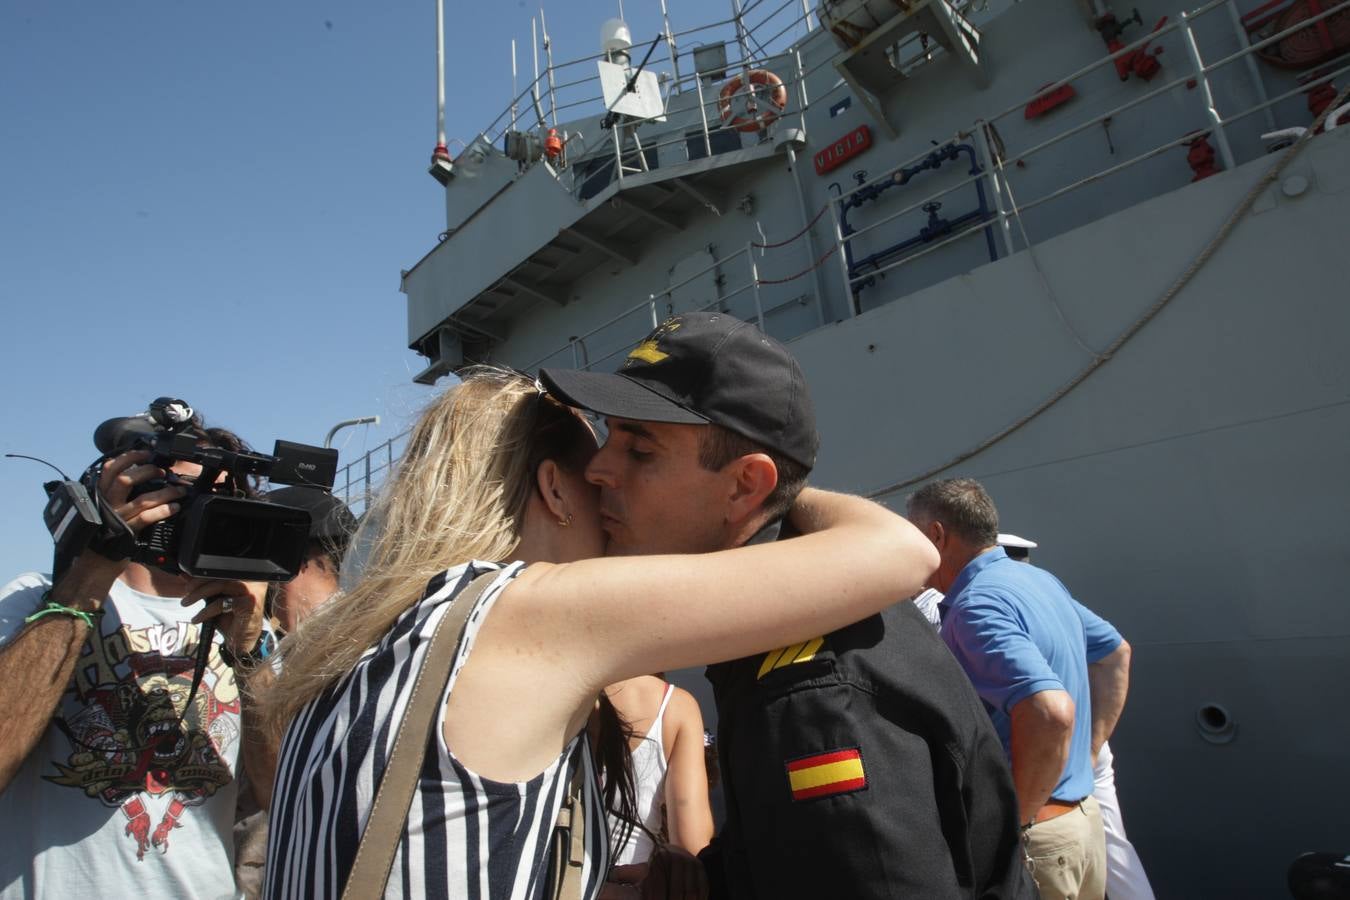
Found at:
<point>1052,674</point>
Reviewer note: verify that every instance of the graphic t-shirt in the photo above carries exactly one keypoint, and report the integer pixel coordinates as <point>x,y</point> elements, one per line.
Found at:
<point>125,795</point>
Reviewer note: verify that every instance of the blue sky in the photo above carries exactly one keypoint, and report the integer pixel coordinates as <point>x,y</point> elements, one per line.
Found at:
<point>214,201</point>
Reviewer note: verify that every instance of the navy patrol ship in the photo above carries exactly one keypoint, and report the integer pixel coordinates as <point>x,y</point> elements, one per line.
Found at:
<point>1092,255</point>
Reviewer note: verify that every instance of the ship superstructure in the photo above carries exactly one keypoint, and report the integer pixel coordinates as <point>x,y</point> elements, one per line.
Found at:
<point>1061,246</point>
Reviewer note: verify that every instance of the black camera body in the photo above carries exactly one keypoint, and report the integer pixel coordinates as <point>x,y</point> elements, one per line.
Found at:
<point>219,531</point>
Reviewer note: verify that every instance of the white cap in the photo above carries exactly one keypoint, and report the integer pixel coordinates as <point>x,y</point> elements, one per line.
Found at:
<point>1012,540</point>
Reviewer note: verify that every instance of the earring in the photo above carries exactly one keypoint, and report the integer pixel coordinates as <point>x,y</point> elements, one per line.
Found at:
<point>565,522</point>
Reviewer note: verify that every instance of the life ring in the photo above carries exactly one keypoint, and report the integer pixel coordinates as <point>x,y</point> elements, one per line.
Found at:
<point>763,83</point>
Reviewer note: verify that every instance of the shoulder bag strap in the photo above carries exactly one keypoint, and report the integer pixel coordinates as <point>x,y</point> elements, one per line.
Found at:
<point>567,855</point>
<point>384,829</point>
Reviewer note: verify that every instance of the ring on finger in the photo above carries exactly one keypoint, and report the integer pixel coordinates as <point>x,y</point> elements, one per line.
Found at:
<point>226,605</point>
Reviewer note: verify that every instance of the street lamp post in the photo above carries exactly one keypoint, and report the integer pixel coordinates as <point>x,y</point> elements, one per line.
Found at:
<point>363,420</point>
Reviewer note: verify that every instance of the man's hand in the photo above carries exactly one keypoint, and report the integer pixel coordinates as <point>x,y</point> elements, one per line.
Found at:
<point>122,474</point>
<point>235,606</point>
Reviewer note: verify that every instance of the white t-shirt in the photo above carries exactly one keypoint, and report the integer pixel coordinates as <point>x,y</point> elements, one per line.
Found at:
<point>120,798</point>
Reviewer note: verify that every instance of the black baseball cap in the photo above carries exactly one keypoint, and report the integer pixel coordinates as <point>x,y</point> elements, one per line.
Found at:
<point>330,521</point>
<point>704,368</point>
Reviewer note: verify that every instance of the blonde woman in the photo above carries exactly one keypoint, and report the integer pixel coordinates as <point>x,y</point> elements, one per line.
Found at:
<point>493,481</point>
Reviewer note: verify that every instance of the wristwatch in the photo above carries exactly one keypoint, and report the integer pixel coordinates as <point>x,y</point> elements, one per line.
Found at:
<point>250,660</point>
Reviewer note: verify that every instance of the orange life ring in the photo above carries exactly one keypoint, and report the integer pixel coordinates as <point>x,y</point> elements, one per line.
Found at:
<point>763,83</point>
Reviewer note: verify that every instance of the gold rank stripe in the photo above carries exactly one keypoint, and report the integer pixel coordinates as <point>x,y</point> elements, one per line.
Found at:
<point>786,656</point>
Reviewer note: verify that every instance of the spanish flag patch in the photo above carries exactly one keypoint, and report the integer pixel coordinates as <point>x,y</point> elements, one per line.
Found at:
<point>826,774</point>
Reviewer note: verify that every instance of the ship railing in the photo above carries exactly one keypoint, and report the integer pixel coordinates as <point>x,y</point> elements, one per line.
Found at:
<point>359,478</point>
<point>747,43</point>
<point>647,314</point>
<point>1009,212</point>
<point>776,40</point>
<point>357,482</point>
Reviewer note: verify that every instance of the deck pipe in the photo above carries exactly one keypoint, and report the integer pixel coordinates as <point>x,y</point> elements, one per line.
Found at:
<point>936,226</point>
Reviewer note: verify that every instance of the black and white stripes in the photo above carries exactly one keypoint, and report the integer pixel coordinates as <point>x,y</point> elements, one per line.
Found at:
<point>466,836</point>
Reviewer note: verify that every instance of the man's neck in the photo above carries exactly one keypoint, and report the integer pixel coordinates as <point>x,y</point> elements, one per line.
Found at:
<point>958,565</point>
<point>758,530</point>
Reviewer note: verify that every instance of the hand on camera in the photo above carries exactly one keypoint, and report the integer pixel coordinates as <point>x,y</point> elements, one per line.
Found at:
<point>235,606</point>
<point>122,475</point>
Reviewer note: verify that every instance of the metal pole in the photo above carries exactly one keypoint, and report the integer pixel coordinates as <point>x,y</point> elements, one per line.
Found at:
<point>1215,120</point>
<point>843,260</point>
<point>440,73</point>
<point>811,246</point>
<point>754,284</point>
<point>740,34</point>
<point>806,15</point>
<point>366,500</point>
<point>982,141</point>
<point>548,59</point>
<point>534,85</point>
<point>802,100</point>
<point>514,89</point>
<point>703,114</point>
<point>362,420</point>
<point>670,47</point>
<point>1252,68</point>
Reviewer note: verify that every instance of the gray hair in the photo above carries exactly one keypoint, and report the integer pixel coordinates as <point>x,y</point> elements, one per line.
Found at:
<point>963,507</point>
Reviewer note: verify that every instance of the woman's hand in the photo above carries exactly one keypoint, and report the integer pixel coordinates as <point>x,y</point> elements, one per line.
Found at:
<point>669,874</point>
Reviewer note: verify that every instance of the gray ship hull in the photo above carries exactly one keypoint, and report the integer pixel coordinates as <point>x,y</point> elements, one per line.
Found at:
<point>1191,488</point>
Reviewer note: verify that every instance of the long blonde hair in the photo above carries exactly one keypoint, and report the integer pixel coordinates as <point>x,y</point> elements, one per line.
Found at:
<point>459,493</point>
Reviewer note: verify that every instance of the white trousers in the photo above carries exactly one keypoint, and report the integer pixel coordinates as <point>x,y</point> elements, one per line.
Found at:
<point>1125,878</point>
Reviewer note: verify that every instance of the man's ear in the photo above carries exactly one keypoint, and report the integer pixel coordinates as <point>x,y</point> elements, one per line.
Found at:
<point>754,478</point>
<point>936,533</point>
<point>548,479</point>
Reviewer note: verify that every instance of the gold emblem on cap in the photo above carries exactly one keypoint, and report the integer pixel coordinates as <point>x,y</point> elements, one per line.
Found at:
<point>649,350</point>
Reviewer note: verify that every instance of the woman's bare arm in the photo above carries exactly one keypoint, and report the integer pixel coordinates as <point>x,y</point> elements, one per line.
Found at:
<point>624,616</point>
<point>688,810</point>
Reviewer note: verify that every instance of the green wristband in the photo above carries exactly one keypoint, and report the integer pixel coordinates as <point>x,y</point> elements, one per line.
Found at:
<point>54,608</point>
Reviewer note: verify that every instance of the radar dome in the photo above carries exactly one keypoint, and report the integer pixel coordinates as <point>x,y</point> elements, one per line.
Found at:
<point>615,36</point>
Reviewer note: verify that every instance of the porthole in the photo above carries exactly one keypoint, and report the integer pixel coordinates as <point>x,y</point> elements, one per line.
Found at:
<point>1215,723</point>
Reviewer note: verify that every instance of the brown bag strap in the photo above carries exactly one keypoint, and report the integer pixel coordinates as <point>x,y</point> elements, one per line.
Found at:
<point>569,841</point>
<point>384,829</point>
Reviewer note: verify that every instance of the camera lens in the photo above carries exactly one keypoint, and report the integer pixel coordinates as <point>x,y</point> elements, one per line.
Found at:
<point>237,536</point>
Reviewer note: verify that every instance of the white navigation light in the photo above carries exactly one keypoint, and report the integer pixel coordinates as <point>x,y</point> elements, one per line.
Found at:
<point>615,36</point>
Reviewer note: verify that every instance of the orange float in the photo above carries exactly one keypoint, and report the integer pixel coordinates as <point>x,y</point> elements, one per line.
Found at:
<point>761,83</point>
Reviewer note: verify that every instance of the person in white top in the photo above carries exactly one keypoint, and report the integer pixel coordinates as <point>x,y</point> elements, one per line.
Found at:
<point>666,748</point>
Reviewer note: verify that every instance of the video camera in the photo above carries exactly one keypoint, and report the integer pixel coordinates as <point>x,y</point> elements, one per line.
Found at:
<point>218,532</point>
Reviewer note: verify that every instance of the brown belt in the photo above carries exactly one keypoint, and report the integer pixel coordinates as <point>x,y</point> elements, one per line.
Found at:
<point>1053,809</point>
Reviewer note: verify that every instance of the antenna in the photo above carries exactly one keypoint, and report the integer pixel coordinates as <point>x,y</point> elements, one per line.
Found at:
<point>441,165</point>
<point>534,85</point>
<point>548,58</point>
<point>514,91</point>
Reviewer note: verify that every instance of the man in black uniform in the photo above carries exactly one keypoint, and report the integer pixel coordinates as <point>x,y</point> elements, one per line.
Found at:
<point>859,764</point>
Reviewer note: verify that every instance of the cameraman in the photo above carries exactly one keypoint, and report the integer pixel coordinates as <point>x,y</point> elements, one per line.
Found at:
<point>109,782</point>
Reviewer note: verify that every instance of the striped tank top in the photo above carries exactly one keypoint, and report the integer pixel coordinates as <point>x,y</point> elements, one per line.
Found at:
<point>466,836</point>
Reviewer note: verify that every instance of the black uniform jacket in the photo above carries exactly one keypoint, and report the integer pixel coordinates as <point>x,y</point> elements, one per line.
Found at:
<point>862,765</point>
